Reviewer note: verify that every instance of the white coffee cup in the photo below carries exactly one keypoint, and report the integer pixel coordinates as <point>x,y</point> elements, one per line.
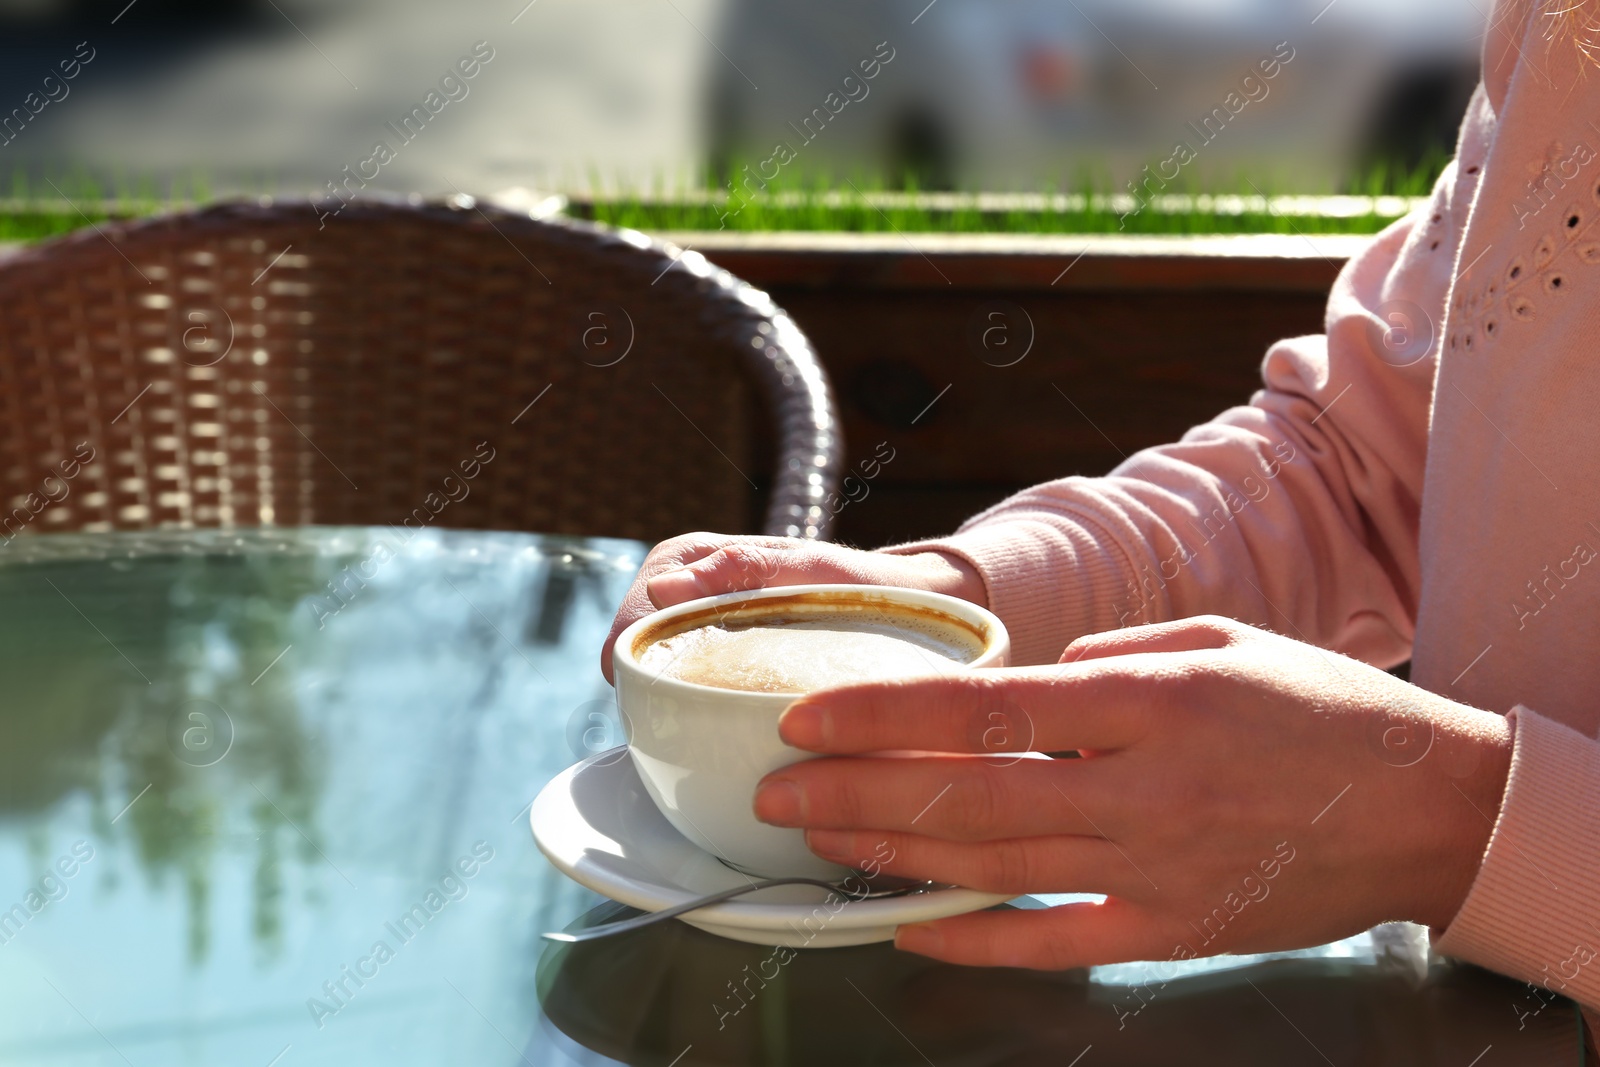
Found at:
<point>700,750</point>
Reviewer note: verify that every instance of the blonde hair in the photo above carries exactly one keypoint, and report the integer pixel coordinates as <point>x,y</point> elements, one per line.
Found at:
<point>1576,21</point>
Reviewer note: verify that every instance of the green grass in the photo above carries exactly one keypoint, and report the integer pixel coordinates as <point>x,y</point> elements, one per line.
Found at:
<point>1087,206</point>
<point>40,208</point>
<point>1065,214</point>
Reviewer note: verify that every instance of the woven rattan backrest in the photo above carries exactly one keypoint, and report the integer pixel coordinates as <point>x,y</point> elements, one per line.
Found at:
<point>446,364</point>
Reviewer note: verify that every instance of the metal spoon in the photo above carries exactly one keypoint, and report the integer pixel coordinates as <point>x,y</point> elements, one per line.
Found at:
<point>881,887</point>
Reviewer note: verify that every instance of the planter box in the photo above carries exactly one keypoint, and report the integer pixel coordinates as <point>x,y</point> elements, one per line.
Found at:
<point>989,363</point>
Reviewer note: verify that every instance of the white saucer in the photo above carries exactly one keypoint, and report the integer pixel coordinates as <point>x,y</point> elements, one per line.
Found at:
<point>597,824</point>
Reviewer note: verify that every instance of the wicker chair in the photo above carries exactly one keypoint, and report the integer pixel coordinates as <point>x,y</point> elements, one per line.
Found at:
<point>449,364</point>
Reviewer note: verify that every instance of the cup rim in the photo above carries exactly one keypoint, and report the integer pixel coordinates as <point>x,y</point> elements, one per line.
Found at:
<point>996,639</point>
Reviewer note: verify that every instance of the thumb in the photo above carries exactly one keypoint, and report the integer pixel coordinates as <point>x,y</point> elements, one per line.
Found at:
<point>1182,635</point>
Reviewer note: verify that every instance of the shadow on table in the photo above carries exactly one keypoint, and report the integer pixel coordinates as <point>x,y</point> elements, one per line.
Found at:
<point>672,994</point>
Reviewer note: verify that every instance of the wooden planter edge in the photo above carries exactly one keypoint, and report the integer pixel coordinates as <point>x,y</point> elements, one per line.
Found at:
<point>1262,263</point>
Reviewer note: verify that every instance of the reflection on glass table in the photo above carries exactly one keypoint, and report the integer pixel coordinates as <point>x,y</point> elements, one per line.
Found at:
<point>263,800</point>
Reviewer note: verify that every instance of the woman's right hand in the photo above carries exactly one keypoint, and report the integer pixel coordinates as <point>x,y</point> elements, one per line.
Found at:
<point>706,564</point>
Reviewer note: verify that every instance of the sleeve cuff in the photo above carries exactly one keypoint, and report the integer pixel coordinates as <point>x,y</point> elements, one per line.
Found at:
<point>1533,911</point>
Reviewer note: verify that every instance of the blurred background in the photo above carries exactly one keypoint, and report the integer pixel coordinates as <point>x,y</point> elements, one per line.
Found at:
<point>281,96</point>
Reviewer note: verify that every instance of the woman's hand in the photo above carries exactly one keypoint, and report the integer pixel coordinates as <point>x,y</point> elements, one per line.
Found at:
<point>1238,792</point>
<point>705,564</point>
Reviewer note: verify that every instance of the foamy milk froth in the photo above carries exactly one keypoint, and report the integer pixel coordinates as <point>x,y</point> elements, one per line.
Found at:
<point>800,655</point>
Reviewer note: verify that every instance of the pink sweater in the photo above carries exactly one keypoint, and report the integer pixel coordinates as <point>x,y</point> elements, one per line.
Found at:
<point>1392,498</point>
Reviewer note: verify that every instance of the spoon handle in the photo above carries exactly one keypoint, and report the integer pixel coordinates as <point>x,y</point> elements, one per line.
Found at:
<point>624,925</point>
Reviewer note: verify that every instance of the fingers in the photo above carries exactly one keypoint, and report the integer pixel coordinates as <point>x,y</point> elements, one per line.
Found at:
<point>1182,635</point>
<point>735,567</point>
<point>1064,864</point>
<point>758,563</point>
<point>993,711</point>
<point>953,798</point>
<point>1054,939</point>
<point>667,556</point>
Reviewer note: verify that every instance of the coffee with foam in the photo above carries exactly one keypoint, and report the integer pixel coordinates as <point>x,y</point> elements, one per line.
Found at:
<point>801,654</point>
<point>702,685</point>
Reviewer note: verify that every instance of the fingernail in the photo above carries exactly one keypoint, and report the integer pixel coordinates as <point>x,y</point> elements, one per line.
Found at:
<point>781,803</point>
<point>805,726</point>
<point>831,844</point>
<point>923,938</point>
<point>673,587</point>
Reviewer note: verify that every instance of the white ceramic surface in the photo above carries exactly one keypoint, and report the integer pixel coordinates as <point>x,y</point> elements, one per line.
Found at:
<point>596,823</point>
<point>701,750</point>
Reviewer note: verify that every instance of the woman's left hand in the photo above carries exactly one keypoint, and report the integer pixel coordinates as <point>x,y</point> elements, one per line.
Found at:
<point>1238,792</point>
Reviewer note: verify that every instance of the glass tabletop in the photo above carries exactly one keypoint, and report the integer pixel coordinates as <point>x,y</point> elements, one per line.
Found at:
<point>263,801</point>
